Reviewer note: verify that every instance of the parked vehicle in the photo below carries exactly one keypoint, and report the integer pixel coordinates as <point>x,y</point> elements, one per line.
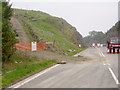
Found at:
<point>114,45</point>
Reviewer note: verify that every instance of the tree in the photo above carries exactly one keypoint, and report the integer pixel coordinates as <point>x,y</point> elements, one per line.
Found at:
<point>92,33</point>
<point>8,35</point>
<point>94,37</point>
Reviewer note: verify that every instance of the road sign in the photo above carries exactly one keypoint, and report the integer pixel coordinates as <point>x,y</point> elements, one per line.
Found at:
<point>34,46</point>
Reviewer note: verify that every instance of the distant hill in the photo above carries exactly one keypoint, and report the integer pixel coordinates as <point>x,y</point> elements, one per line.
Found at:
<point>94,37</point>
<point>113,32</point>
<point>39,26</point>
<point>100,37</point>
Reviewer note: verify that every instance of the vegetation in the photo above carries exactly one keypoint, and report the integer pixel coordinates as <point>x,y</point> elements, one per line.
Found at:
<point>94,37</point>
<point>0,42</point>
<point>40,27</point>
<point>75,52</point>
<point>0,28</point>
<point>8,35</point>
<point>100,37</point>
<point>113,32</point>
<point>16,65</point>
<point>22,65</point>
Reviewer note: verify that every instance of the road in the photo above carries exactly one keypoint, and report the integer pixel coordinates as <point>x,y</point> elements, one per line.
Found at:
<point>101,71</point>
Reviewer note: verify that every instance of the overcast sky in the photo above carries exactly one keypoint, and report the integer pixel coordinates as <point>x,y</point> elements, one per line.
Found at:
<point>99,15</point>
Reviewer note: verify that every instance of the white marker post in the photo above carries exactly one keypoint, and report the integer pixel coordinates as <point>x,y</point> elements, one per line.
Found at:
<point>34,46</point>
<point>93,44</point>
<point>79,45</point>
<point>101,45</point>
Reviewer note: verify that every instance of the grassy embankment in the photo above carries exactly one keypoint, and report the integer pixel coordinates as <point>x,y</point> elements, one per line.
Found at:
<point>47,28</point>
<point>22,65</point>
<point>77,51</point>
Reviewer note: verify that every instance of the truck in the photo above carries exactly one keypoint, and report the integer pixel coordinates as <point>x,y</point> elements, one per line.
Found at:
<point>113,45</point>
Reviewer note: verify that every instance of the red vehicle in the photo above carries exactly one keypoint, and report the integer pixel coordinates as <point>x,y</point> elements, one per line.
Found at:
<point>114,45</point>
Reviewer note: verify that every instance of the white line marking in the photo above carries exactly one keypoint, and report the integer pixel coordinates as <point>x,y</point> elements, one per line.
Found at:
<point>103,56</point>
<point>104,64</point>
<point>113,75</point>
<point>101,52</point>
<point>32,77</point>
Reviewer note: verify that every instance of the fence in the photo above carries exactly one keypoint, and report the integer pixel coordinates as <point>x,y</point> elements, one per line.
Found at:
<point>28,46</point>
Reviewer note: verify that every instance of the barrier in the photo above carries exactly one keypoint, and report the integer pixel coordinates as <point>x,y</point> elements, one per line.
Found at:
<point>113,51</point>
<point>23,46</point>
<point>108,51</point>
<point>30,46</point>
<point>41,46</point>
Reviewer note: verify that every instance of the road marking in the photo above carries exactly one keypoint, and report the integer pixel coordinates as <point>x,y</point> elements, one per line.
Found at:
<point>32,77</point>
<point>113,75</point>
<point>101,52</point>
<point>111,71</point>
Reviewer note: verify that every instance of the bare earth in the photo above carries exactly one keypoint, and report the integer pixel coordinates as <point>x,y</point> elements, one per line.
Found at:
<point>19,29</point>
<point>47,55</point>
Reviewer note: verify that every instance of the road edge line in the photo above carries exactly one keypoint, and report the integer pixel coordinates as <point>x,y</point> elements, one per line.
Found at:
<point>113,75</point>
<point>32,77</point>
<point>111,71</point>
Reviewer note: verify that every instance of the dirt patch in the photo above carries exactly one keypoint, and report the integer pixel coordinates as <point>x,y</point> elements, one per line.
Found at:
<point>47,55</point>
<point>22,37</point>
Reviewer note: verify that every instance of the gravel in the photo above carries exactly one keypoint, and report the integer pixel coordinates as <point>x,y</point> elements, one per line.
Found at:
<point>47,55</point>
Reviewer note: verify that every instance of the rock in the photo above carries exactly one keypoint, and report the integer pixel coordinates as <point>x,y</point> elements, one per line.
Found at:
<point>62,62</point>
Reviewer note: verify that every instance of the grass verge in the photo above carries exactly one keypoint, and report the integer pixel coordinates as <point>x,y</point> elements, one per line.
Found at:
<point>23,68</point>
<point>75,52</point>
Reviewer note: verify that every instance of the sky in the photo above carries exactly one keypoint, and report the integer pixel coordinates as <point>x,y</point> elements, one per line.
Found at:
<point>85,15</point>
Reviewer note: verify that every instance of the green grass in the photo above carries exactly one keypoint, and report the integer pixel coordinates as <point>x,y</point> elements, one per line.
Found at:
<point>49,33</point>
<point>75,52</point>
<point>15,71</point>
<point>48,28</point>
<point>0,73</point>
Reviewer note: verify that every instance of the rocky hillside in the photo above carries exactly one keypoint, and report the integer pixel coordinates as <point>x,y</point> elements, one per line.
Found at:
<point>39,26</point>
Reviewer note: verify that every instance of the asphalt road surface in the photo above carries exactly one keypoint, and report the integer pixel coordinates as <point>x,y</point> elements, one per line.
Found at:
<point>101,71</point>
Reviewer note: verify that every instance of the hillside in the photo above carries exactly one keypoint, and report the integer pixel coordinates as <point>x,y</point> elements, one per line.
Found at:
<point>113,32</point>
<point>94,37</point>
<point>100,37</point>
<point>39,26</point>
